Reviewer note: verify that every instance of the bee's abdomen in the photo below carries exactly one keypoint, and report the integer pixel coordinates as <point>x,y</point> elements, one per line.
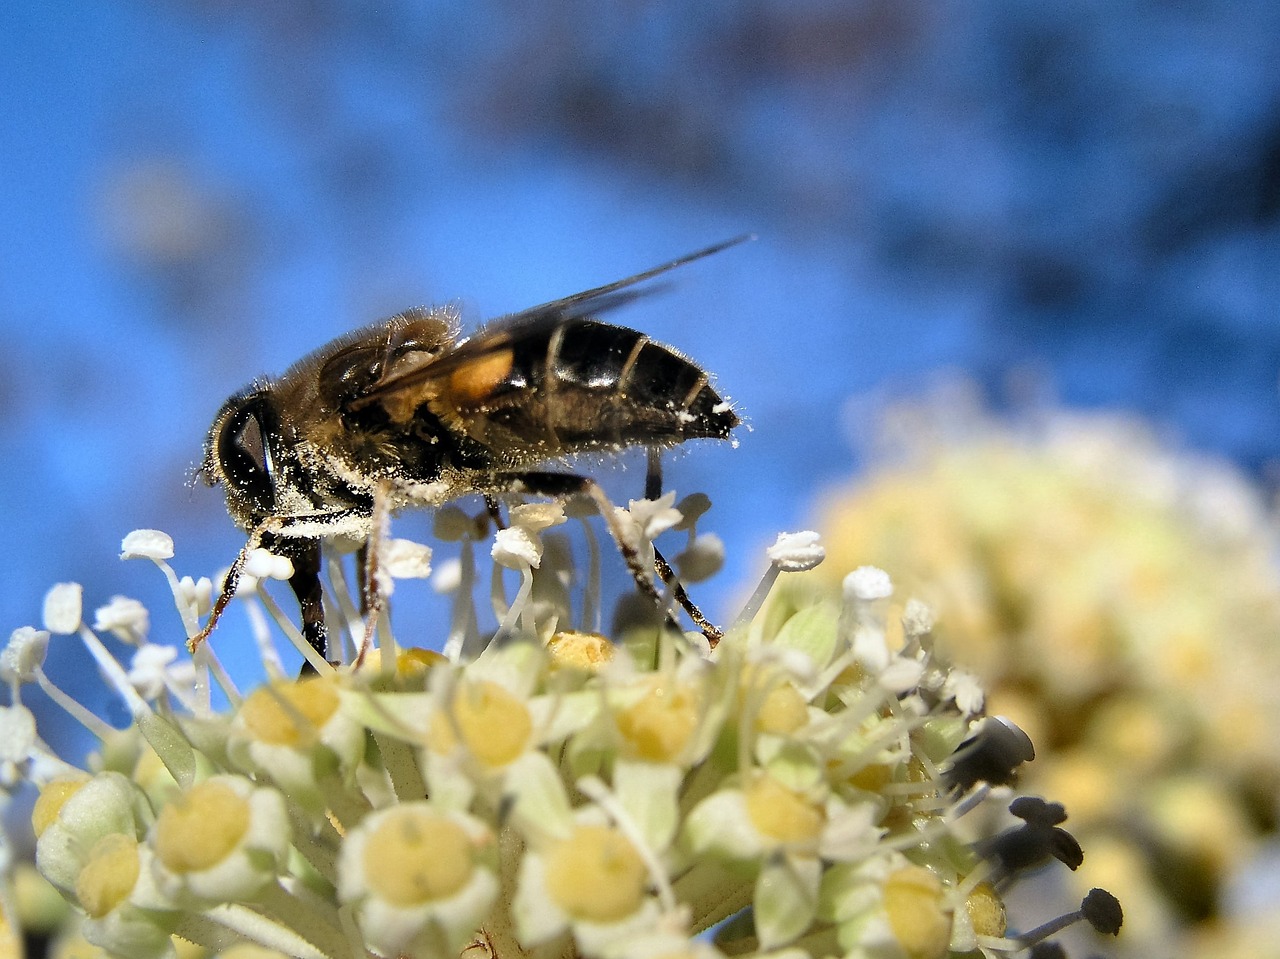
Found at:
<point>583,384</point>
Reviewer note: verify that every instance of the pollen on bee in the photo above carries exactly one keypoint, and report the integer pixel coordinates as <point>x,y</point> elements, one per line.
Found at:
<point>476,380</point>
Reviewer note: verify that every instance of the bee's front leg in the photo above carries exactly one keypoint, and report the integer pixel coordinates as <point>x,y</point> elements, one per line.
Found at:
<point>230,583</point>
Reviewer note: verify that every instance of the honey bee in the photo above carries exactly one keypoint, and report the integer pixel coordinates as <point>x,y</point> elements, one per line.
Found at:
<point>405,413</point>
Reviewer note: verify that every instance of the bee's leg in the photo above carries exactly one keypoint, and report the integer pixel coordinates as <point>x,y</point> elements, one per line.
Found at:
<point>570,484</point>
<point>305,583</point>
<point>653,476</point>
<point>229,585</point>
<point>362,579</point>
<point>495,511</point>
<point>371,599</point>
<point>668,575</point>
<point>652,490</point>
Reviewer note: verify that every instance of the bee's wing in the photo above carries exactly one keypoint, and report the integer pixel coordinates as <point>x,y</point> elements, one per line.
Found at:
<point>498,335</point>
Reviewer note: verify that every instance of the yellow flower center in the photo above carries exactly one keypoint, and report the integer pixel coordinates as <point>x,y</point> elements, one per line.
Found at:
<point>659,725</point>
<point>51,800</point>
<point>872,777</point>
<point>784,816</point>
<point>109,875</point>
<point>415,661</point>
<point>914,904</point>
<point>596,875</point>
<point>986,910</point>
<point>778,709</point>
<point>783,711</point>
<point>415,856</point>
<point>290,714</point>
<point>492,723</point>
<point>201,827</point>
<point>584,651</point>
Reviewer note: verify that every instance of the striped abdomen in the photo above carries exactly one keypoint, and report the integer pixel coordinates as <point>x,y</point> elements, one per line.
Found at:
<point>578,384</point>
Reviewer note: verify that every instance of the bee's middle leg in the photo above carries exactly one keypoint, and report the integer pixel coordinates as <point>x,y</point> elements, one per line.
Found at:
<point>570,484</point>
<point>306,586</point>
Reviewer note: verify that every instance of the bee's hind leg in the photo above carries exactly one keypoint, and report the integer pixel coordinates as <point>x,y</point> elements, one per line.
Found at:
<point>570,484</point>
<point>652,490</point>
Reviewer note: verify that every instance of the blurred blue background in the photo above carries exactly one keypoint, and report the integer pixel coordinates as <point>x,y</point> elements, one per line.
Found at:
<point>198,192</point>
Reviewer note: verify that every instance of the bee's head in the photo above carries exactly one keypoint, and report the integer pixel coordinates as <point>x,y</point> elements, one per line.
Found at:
<point>238,454</point>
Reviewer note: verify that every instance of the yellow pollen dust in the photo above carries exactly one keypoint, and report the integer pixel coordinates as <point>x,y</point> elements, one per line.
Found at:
<point>986,910</point>
<point>584,651</point>
<point>596,875</point>
<point>917,913</point>
<point>659,725</point>
<point>290,714</point>
<point>416,856</point>
<point>782,815</point>
<point>51,800</point>
<point>783,711</point>
<point>201,827</point>
<point>492,723</point>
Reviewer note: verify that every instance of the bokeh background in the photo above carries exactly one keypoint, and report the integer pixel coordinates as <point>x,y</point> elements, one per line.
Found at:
<point>1073,199</point>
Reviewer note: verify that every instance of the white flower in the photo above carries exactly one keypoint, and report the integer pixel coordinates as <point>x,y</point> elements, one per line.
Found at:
<point>797,552</point>
<point>405,559</point>
<point>448,576</point>
<point>965,689</point>
<point>536,517</point>
<point>593,882</point>
<point>72,814</point>
<point>24,654</point>
<point>149,668</point>
<point>917,619</point>
<point>654,516</point>
<point>264,564</point>
<point>150,544</point>
<point>63,609</point>
<point>900,675</point>
<point>125,913</point>
<point>702,560</point>
<point>281,728</point>
<point>222,840</point>
<point>125,618</point>
<point>691,509</point>
<point>452,524</point>
<point>868,583</point>
<point>516,548</point>
<point>197,593</point>
<point>17,742</point>
<point>421,878</point>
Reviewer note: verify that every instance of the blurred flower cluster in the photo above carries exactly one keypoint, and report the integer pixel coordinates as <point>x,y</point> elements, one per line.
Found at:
<point>803,787</point>
<point>1120,600</point>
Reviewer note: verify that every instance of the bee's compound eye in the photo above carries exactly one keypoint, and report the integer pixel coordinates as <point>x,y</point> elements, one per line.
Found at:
<point>244,452</point>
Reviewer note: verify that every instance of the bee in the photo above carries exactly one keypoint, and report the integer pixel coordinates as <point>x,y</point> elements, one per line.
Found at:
<point>404,413</point>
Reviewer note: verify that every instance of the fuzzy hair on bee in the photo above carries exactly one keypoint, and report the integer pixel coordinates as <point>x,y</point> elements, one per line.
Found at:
<point>408,413</point>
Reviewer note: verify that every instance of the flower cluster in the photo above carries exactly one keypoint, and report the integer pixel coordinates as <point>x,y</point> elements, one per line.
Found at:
<point>1121,602</point>
<point>802,789</point>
